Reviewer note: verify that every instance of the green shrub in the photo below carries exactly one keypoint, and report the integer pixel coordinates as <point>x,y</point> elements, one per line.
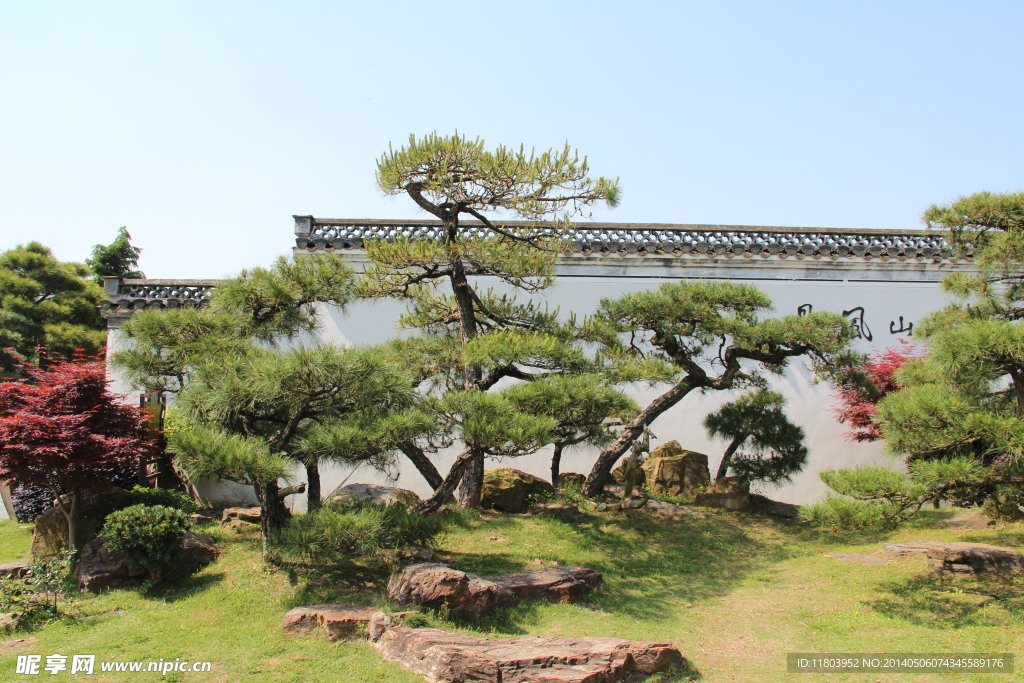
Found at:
<point>338,534</point>
<point>147,536</point>
<point>143,495</point>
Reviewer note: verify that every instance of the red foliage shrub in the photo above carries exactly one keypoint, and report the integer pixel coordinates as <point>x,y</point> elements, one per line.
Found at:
<point>859,397</point>
<point>64,430</point>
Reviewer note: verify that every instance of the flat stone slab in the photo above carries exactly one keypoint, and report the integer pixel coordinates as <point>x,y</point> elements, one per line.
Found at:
<point>556,584</point>
<point>977,558</point>
<point>340,621</point>
<point>443,656</point>
<point>660,508</point>
<point>251,515</point>
<point>854,558</point>
<point>433,584</point>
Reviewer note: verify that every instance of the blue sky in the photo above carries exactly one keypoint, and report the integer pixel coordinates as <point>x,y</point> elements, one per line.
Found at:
<point>203,126</point>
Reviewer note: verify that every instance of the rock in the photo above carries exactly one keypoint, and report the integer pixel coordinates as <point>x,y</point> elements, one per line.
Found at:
<point>672,471</point>
<point>773,508</point>
<point>101,568</point>
<point>433,585</point>
<point>197,551</point>
<point>340,621</point>
<point>909,548</point>
<point>971,519</point>
<point>443,656</point>
<point>509,490</point>
<point>410,555</point>
<point>50,536</point>
<point>378,495</point>
<point>618,475</point>
<point>250,515</point>
<point>18,642</point>
<point>564,511</point>
<point>14,570</point>
<point>555,584</point>
<point>730,493</point>
<point>570,480</point>
<point>975,558</point>
<point>669,510</point>
<point>854,558</point>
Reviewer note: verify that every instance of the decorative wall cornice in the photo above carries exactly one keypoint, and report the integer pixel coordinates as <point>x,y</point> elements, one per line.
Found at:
<point>681,241</point>
<point>124,297</point>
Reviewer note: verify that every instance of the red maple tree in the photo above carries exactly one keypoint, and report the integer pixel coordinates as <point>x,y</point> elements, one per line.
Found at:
<point>866,386</point>
<point>63,429</point>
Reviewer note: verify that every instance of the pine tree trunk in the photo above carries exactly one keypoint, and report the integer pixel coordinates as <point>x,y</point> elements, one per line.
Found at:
<point>444,492</point>
<point>723,467</point>
<point>274,516</point>
<point>425,467</point>
<point>472,487</point>
<point>556,463</point>
<point>312,487</point>
<point>606,460</point>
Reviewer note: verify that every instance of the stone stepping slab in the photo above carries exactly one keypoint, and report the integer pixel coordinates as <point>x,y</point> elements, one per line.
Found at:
<point>443,656</point>
<point>855,558</point>
<point>976,558</point>
<point>340,621</point>
<point>433,584</point>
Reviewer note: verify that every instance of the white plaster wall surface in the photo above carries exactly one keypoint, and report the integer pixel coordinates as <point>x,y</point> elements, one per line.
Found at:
<point>888,309</point>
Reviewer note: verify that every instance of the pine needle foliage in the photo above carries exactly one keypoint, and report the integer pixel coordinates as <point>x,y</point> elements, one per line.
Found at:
<point>773,447</point>
<point>704,336</point>
<point>490,336</point>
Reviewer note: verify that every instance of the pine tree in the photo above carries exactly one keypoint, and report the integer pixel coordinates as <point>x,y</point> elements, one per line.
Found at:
<point>453,178</point>
<point>117,259</point>
<point>48,309</point>
<point>774,447</point>
<point>707,336</point>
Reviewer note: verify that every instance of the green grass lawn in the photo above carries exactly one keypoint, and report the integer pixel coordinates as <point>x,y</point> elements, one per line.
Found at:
<point>734,592</point>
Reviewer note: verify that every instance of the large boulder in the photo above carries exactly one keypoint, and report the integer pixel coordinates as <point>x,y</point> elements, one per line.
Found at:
<point>444,656</point>
<point>378,495</point>
<point>432,585</point>
<point>672,471</point>
<point>731,493</point>
<point>51,528</point>
<point>509,490</point>
<point>101,568</point>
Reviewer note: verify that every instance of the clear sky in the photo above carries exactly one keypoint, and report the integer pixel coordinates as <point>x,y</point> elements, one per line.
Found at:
<point>203,126</point>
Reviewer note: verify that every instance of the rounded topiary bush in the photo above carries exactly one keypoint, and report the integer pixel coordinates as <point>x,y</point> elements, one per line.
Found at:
<point>142,495</point>
<point>147,536</point>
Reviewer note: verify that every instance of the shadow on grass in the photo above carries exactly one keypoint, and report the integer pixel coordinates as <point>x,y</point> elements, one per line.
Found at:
<point>349,584</point>
<point>930,601</point>
<point>175,589</point>
<point>648,562</point>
